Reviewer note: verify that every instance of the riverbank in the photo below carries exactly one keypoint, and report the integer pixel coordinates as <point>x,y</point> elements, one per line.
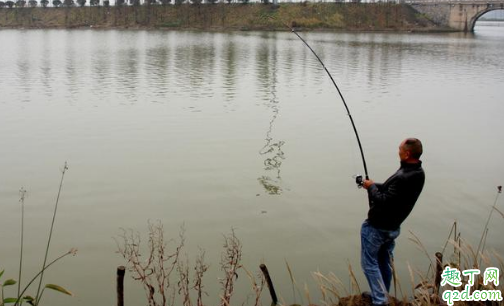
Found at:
<point>309,16</point>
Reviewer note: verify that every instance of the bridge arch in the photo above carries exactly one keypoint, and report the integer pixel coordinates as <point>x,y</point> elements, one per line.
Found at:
<point>490,7</point>
<point>460,15</point>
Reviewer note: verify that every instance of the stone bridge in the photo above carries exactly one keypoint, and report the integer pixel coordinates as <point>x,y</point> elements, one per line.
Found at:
<point>458,15</point>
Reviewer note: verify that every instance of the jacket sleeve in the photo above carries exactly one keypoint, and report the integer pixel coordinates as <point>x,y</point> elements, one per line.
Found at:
<point>378,195</point>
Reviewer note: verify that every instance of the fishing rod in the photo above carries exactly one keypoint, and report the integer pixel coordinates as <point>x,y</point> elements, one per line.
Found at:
<point>358,178</point>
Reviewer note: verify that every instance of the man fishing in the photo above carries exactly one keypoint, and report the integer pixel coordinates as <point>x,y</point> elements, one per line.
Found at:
<point>389,205</point>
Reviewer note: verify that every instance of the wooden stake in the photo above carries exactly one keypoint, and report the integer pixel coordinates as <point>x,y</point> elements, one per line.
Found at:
<point>270,284</point>
<point>439,269</point>
<point>120,285</point>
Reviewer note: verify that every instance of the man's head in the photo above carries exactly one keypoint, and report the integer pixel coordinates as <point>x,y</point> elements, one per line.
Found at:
<point>410,150</point>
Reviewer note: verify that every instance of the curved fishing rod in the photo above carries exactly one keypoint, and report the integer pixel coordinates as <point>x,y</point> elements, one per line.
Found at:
<point>359,178</point>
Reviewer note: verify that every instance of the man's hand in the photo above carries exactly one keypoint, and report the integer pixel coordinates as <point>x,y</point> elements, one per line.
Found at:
<point>367,183</point>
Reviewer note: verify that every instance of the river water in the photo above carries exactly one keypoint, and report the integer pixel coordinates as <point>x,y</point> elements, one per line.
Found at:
<point>240,130</point>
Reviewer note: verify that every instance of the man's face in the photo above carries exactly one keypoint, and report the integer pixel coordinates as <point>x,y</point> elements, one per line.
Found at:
<point>403,153</point>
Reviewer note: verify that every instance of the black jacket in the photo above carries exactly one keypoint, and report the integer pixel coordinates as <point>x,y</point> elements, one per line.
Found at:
<point>391,202</point>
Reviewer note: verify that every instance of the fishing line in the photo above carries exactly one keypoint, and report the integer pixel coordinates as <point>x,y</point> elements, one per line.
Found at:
<point>344,103</point>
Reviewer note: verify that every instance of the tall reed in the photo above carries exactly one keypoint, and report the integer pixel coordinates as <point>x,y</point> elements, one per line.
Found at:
<point>485,229</point>
<point>20,298</point>
<point>22,193</point>
<point>63,171</point>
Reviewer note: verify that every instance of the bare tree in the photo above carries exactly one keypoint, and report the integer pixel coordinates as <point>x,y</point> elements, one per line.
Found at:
<point>154,271</point>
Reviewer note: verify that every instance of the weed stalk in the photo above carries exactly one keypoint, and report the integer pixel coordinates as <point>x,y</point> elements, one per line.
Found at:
<point>485,229</point>
<point>22,193</point>
<point>71,252</point>
<point>37,297</point>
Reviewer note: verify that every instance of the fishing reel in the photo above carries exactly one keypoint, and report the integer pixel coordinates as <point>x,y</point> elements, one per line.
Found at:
<point>359,181</point>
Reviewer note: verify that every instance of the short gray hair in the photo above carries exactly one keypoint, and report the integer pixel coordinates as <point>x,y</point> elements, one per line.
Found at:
<point>414,146</point>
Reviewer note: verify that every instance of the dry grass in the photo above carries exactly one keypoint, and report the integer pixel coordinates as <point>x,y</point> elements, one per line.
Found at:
<point>230,264</point>
<point>424,289</point>
<point>424,282</point>
<point>332,290</point>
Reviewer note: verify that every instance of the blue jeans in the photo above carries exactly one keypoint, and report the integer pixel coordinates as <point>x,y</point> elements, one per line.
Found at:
<point>376,257</point>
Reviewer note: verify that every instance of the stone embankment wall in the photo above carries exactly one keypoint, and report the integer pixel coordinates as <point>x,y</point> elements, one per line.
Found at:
<point>311,16</point>
<point>439,14</point>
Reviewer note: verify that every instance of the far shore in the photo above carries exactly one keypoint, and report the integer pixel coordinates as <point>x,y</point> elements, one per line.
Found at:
<point>339,17</point>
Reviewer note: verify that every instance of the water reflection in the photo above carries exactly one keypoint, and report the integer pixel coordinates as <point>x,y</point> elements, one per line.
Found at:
<point>100,68</point>
<point>195,66</point>
<point>23,66</point>
<point>128,73</point>
<point>71,77</point>
<point>201,69</point>
<point>229,72</point>
<point>274,154</point>
<point>272,150</point>
<point>46,65</point>
<point>157,64</point>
